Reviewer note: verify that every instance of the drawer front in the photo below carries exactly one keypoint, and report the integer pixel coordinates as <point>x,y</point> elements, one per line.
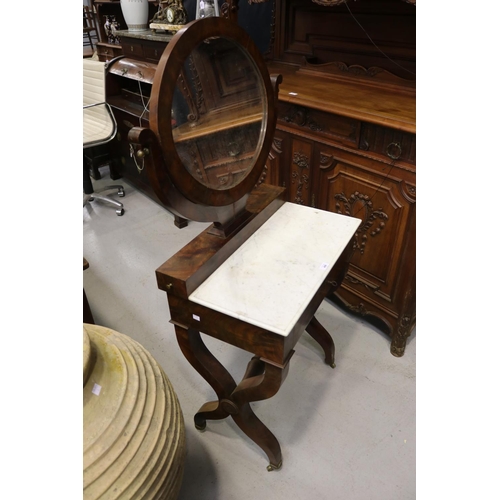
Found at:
<point>153,53</point>
<point>106,52</point>
<point>392,144</point>
<point>132,49</point>
<point>339,128</point>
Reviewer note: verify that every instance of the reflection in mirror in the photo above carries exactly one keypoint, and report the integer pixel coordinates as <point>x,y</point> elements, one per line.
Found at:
<point>217,113</point>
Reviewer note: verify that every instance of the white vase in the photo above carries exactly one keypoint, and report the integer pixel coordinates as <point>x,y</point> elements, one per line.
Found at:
<point>136,13</point>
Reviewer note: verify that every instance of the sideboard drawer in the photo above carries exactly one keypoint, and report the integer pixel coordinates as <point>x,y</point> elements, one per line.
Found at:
<point>339,128</point>
<point>391,143</point>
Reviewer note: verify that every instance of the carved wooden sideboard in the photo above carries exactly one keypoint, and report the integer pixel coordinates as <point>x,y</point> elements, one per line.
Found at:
<point>346,141</point>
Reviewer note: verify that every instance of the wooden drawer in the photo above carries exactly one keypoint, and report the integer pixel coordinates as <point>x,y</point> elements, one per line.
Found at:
<point>132,48</point>
<point>107,51</point>
<point>147,50</point>
<point>388,142</point>
<point>339,128</point>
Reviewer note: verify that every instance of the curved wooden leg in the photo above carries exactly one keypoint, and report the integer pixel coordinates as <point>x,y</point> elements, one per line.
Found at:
<point>204,362</point>
<point>320,334</point>
<point>261,381</point>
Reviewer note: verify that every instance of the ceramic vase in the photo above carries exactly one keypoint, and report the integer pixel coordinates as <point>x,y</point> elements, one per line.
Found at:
<point>133,428</point>
<point>136,13</point>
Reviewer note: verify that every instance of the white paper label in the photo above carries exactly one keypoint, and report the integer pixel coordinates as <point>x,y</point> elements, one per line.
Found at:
<point>197,318</point>
<point>96,389</point>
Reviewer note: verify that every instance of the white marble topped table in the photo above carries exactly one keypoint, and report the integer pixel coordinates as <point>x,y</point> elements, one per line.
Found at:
<point>272,277</point>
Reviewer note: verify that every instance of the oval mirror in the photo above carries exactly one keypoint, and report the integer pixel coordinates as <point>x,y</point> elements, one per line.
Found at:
<point>217,113</point>
<point>210,109</point>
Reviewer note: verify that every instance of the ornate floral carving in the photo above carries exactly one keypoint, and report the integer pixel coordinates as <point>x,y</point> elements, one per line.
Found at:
<point>302,178</point>
<point>345,206</point>
<point>300,116</point>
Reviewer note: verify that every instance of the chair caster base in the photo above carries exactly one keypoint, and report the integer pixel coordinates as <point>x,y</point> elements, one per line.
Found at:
<point>120,211</point>
<point>121,193</point>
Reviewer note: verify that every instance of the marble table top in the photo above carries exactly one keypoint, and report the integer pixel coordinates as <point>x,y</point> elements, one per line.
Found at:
<point>269,281</point>
<point>146,35</point>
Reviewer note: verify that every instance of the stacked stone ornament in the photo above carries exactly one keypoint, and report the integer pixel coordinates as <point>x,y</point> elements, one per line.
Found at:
<point>133,428</point>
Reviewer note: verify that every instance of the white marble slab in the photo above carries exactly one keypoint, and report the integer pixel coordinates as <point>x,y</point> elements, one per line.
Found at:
<point>272,277</point>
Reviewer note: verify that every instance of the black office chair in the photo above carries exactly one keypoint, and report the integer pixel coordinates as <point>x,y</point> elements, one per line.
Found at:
<point>99,127</point>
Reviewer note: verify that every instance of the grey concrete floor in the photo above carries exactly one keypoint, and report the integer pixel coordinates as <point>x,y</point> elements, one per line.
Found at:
<point>347,433</point>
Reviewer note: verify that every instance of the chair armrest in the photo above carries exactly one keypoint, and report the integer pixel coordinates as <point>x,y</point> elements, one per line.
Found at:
<point>99,124</point>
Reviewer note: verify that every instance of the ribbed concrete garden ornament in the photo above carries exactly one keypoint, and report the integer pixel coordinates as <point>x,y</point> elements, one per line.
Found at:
<point>133,428</point>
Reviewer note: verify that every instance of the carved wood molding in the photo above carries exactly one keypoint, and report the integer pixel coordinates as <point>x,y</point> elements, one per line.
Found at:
<point>345,206</point>
<point>331,3</point>
<point>327,3</point>
<point>373,76</point>
<point>300,116</point>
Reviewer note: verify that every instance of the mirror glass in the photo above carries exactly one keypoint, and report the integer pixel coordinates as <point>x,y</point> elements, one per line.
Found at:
<point>218,112</point>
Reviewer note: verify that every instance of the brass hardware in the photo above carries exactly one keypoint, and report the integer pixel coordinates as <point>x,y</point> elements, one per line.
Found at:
<point>332,283</point>
<point>140,74</point>
<point>131,49</point>
<point>141,153</point>
<point>392,150</point>
<point>124,70</point>
<point>333,365</point>
<point>169,286</point>
<point>272,467</point>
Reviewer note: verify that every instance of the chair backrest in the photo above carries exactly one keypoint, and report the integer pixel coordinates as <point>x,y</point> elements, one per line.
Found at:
<point>88,19</point>
<point>99,125</point>
<point>94,88</point>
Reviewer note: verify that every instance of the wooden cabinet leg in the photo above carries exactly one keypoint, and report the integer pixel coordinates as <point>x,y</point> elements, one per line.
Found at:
<point>400,335</point>
<point>320,334</point>
<point>204,362</point>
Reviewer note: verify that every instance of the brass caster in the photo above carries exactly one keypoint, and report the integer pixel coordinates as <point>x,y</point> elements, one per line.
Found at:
<point>272,467</point>
<point>201,427</point>
<point>333,365</point>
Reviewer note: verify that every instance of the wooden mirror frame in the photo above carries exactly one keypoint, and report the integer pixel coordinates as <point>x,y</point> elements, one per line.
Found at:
<point>164,83</point>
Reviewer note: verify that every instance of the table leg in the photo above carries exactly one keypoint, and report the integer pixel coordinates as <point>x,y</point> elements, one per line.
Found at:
<point>204,362</point>
<point>320,334</point>
<point>262,380</point>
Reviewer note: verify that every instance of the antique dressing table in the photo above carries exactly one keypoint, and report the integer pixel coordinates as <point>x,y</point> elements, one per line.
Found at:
<point>256,276</point>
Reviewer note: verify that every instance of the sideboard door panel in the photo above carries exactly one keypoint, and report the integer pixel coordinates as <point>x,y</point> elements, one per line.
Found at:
<point>376,199</point>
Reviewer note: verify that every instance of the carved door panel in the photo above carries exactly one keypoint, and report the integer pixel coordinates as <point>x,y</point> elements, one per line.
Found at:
<point>361,188</point>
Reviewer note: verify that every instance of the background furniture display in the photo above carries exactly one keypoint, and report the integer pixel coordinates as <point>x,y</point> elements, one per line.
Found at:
<point>110,10</point>
<point>99,127</point>
<point>257,275</point>
<point>90,35</point>
<point>346,141</point>
<point>133,428</point>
